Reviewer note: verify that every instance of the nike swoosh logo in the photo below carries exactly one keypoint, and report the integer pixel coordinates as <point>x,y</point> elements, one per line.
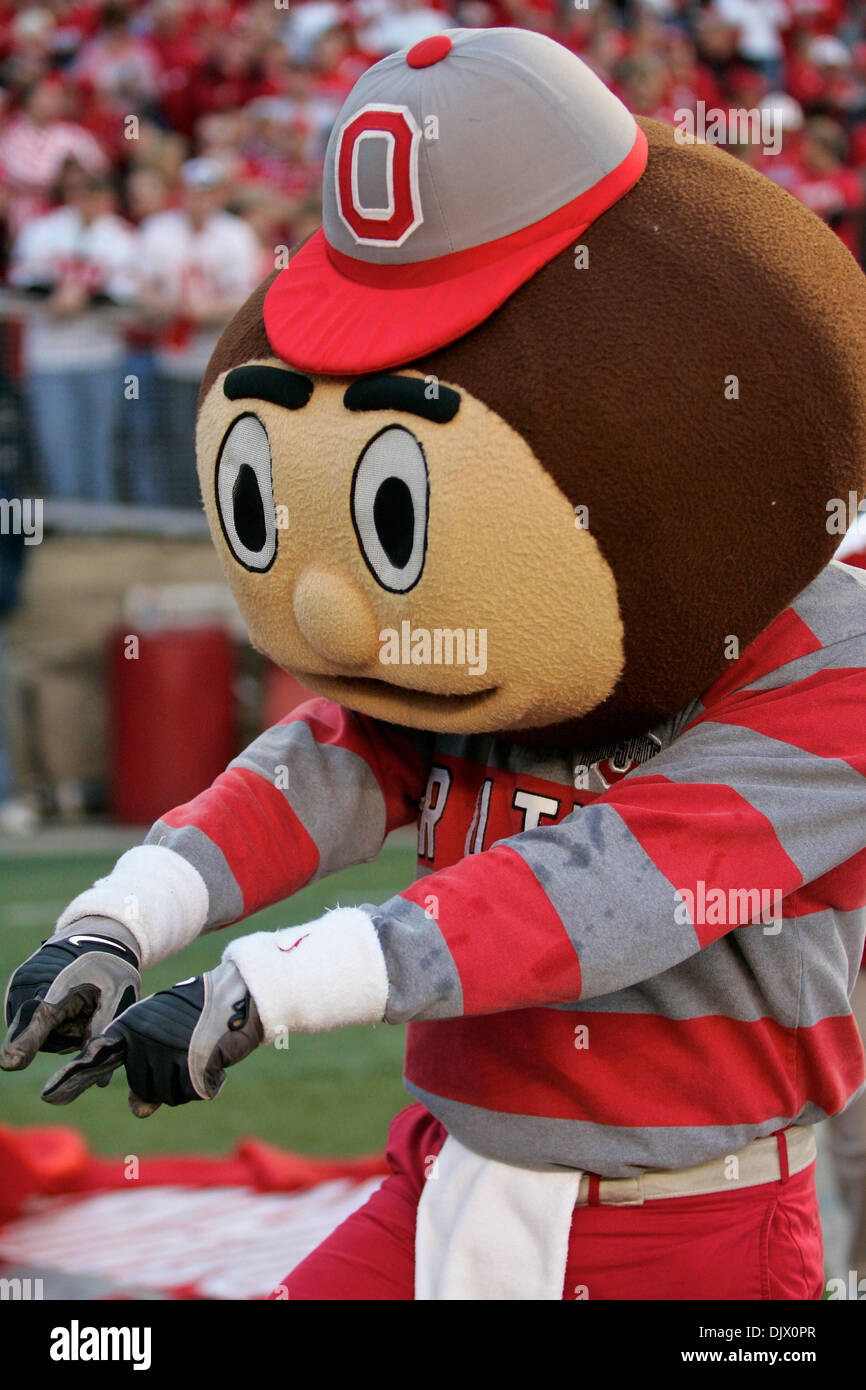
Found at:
<point>286,949</point>
<point>100,941</point>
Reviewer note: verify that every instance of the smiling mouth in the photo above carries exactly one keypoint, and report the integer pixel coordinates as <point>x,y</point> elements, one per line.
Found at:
<point>366,686</point>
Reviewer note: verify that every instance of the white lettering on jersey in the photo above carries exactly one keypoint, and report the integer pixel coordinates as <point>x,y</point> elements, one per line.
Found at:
<point>534,807</point>
<point>475,838</point>
<point>439,783</point>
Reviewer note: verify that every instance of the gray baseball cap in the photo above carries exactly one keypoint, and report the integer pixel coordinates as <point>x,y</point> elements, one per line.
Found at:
<point>455,170</point>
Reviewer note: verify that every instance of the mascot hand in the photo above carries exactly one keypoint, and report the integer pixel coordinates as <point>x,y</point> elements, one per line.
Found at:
<point>175,1045</point>
<point>69,990</point>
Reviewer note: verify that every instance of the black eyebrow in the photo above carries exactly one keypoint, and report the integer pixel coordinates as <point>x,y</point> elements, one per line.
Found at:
<point>275,384</point>
<point>403,393</point>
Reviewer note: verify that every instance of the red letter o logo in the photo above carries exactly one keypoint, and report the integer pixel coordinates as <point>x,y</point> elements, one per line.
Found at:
<point>392,155</point>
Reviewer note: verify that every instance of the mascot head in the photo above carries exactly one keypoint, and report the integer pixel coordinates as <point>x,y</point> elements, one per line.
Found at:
<point>551,408</point>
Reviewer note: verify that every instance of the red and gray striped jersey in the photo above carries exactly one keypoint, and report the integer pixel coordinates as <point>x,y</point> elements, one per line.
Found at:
<point>612,959</point>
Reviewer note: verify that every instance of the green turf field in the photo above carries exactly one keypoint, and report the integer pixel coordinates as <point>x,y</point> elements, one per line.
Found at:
<point>333,1093</point>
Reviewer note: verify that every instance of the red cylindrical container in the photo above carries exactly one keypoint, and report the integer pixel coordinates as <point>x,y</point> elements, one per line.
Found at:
<point>172,717</point>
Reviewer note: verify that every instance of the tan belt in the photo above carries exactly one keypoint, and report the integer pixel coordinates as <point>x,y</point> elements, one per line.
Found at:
<point>764,1160</point>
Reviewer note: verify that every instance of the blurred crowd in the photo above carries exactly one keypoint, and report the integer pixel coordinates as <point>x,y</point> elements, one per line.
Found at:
<point>158,156</point>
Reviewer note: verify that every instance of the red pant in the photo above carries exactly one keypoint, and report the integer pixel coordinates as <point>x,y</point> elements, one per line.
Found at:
<point>754,1243</point>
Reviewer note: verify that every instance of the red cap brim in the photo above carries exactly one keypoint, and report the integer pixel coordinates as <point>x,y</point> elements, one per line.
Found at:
<point>329,314</point>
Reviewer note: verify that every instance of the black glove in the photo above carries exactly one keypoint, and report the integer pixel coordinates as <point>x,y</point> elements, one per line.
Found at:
<point>72,987</point>
<point>175,1045</point>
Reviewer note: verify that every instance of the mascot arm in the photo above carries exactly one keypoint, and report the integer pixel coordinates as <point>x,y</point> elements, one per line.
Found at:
<point>757,808</point>
<point>314,794</point>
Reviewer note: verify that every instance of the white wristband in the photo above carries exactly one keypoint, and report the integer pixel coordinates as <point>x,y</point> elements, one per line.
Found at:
<point>327,974</point>
<point>155,893</point>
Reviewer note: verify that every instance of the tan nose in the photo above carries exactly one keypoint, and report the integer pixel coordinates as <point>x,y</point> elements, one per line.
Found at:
<point>336,618</point>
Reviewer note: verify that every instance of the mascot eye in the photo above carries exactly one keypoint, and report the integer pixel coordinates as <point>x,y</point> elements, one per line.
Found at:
<point>245,494</point>
<point>389,508</point>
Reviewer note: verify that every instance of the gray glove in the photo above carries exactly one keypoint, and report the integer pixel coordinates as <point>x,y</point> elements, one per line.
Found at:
<point>175,1045</point>
<point>70,989</point>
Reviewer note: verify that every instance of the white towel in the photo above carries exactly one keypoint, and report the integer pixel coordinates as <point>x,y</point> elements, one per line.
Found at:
<point>489,1231</point>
